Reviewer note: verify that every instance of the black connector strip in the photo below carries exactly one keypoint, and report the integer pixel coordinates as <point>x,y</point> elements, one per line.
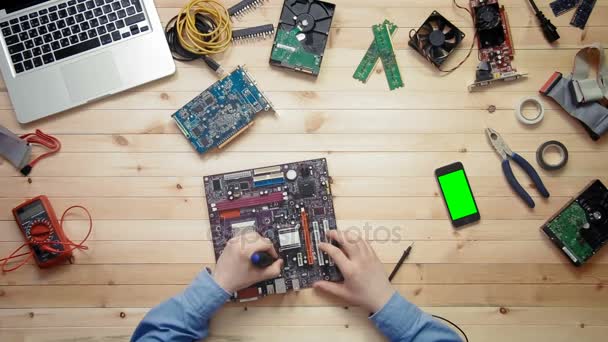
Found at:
<point>253,32</point>
<point>243,6</point>
<point>582,14</point>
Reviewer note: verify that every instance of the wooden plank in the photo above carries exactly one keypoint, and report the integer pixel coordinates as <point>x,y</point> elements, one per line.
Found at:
<point>412,274</point>
<point>406,15</point>
<point>296,334</point>
<point>526,333</point>
<point>296,121</point>
<point>524,37</point>
<point>378,3</point>
<point>307,333</point>
<point>352,208</point>
<point>124,158</point>
<point>314,100</point>
<point>457,252</point>
<point>418,78</point>
<point>496,186</point>
<point>328,142</point>
<point>429,295</point>
<point>303,316</point>
<point>341,164</point>
<point>50,334</point>
<point>372,230</point>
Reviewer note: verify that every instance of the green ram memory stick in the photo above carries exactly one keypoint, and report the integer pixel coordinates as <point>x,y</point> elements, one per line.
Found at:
<point>371,58</point>
<point>382,38</point>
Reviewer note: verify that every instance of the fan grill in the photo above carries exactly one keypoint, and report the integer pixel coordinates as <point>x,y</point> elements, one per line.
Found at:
<point>436,39</point>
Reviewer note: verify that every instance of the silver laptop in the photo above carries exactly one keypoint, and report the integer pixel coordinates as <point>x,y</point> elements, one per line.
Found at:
<point>59,54</point>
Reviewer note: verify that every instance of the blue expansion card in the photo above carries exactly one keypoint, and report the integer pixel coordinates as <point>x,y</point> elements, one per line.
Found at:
<point>220,113</point>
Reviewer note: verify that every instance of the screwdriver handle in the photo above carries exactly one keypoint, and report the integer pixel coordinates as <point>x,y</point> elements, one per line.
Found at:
<point>262,259</point>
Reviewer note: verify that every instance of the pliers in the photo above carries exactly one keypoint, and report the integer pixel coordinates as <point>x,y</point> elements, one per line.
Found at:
<point>505,152</point>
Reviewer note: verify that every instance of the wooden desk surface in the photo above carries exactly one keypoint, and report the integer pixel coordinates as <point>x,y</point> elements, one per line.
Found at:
<point>125,160</point>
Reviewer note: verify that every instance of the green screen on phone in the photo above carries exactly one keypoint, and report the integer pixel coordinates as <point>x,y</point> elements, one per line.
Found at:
<point>457,194</point>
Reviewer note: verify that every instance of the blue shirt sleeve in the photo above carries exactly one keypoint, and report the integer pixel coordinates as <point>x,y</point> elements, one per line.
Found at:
<point>185,317</point>
<point>402,321</point>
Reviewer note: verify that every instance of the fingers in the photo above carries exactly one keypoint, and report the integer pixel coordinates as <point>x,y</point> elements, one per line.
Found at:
<point>348,241</point>
<point>338,290</point>
<point>253,242</point>
<point>335,253</point>
<point>273,270</point>
<point>267,246</point>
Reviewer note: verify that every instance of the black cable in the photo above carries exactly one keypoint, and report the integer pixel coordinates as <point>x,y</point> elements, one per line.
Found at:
<point>466,338</point>
<point>401,261</point>
<point>472,42</point>
<point>534,7</point>
<point>549,30</point>
<point>204,24</point>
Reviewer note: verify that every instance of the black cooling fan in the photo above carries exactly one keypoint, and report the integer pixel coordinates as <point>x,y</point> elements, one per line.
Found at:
<point>436,39</point>
<point>489,25</point>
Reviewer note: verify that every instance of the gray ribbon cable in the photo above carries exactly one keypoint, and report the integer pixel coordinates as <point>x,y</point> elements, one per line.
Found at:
<point>14,149</point>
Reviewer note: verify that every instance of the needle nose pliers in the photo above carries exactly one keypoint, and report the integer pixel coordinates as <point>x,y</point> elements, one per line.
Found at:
<point>505,152</point>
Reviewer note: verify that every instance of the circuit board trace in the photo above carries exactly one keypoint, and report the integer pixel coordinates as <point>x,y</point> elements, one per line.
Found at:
<point>384,44</point>
<point>580,229</point>
<point>223,111</point>
<point>290,204</point>
<point>302,35</point>
<point>371,57</point>
<point>287,51</point>
<point>496,51</point>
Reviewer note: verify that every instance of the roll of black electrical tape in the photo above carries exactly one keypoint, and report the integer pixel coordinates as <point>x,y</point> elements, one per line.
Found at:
<point>540,155</point>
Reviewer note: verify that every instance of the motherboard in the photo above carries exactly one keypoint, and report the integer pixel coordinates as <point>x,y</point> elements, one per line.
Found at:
<point>223,111</point>
<point>581,228</point>
<point>496,50</point>
<point>290,204</point>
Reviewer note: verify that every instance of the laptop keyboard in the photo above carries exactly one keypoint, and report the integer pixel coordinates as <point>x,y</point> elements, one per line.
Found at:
<point>70,28</point>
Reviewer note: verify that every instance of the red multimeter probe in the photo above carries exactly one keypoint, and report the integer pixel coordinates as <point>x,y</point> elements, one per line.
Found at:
<point>44,234</point>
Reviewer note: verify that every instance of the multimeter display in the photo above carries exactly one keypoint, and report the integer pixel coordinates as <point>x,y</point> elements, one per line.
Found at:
<point>30,211</point>
<point>42,231</point>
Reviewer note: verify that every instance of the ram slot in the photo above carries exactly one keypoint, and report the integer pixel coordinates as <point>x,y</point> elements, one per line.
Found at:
<point>317,236</point>
<point>247,202</point>
<point>306,230</point>
<point>326,238</point>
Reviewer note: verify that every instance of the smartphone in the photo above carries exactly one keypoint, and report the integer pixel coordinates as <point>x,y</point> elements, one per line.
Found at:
<point>457,194</point>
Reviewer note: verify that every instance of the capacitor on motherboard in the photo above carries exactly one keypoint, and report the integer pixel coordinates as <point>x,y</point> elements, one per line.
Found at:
<point>291,175</point>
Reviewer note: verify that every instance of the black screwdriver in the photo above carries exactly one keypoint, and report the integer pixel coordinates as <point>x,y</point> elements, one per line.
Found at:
<point>262,259</point>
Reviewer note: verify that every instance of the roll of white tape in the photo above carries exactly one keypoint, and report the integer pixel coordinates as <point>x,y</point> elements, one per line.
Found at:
<point>526,120</point>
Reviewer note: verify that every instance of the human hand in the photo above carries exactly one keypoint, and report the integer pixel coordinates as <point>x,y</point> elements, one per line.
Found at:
<point>365,282</point>
<point>234,270</point>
